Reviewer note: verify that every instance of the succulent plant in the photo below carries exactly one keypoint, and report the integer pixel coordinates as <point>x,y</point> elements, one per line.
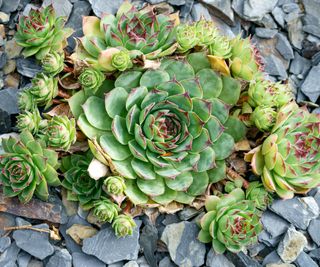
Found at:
<point>139,32</point>
<point>257,193</point>
<point>28,167</point>
<point>186,37</point>
<point>44,89</point>
<point>60,132</point>
<point>29,121</point>
<point>114,185</point>
<point>41,32</point>
<point>53,63</point>
<point>123,225</point>
<point>91,79</point>
<point>206,32</point>
<point>288,159</point>
<point>80,186</point>
<point>231,222</point>
<point>121,60</point>
<point>26,100</point>
<point>264,118</point>
<point>105,210</point>
<point>269,94</point>
<point>220,47</point>
<point>163,129</point>
<point>245,60</point>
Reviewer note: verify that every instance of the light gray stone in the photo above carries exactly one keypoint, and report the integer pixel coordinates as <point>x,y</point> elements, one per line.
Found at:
<point>198,11</point>
<point>284,47</point>
<point>267,239</point>
<point>40,248</point>
<point>299,65</point>
<point>101,6</point>
<point>314,232</point>
<point>298,211</point>
<point>23,259</point>
<point>255,249</point>
<point>217,260</point>
<point>221,9</point>
<point>107,247</point>
<point>265,33</point>
<point>9,6</point>
<point>166,262</point>
<point>274,66</point>
<point>295,33</point>
<point>131,264</point>
<point>10,255</point>
<point>272,258</point>
<point>80,259</point>
<point>312,29</point>
<point>292,245</point>
<point>291,7</point>
<point>184,248</point>
<point>279,15</point>
<point>304,260</point>
<point>311,85</point>
<point>270,219</point>
<point>61,7</point>
<point>61,258</point>
<point>5,242</point>
<point>254,10</point>
<point>28,67</point>
<point>177,2</point>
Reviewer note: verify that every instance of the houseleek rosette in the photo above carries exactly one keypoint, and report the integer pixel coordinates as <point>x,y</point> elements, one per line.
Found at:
<point>80,186</point>
<point>91,79</point>
<point>231,222</point>
<point>27,168</point>
<point>26,100</point>
<point>114,185</point>
<point>42,32</point>
<point>220,47</point>
<point>123,225</point>
<point>60,132</point>
<point>53,63</point>
<point>288,160</point>
<point>163,129</point>
<point>105,210</point>
<point>264,118</point>
<point>186,37</point>
<point>29,121</point>
<point>257,193</point>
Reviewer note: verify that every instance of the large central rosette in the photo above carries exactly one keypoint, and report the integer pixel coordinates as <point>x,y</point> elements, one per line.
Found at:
<point>163,128</point>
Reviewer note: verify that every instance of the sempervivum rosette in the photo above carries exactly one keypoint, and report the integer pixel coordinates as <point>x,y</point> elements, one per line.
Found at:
<point>163,129</point>
<point>289,159</point>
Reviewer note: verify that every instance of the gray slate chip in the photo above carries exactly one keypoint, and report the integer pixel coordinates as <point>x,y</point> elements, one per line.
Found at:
<point>304,260</point>
<point>270,219</point>
<point>311,85</point>
<point>314,231</point>
<point>5,242</point>
<point>82,260</point>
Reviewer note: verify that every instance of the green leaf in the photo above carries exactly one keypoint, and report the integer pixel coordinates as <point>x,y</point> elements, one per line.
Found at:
<point>124,168</point>
<point>51,176</point>
<point>210,82</point>
<point>133,192</point>
<point>132,118</point>
<point>202,108</point>
<point>143,169</point>
<point>136,96</point>
<point>192,86</point>
<point>137,151</point>
<point>204,236</point>
<point>179,70</point>
<point>113,148</point>
<point>155,187</point>
<point>152,78</point>
<point>90,131</point>
<point>199,184</point>
<point>214,128</point>
<point>201,142</point>
<point>119,130</point>
<point>171,87</point>
<point>230,90</point>
<point>168,196</point>
<point>218,173</point>
<point>207,160</point>
<point>115,102</point>
<point>180,182</point>
<point>223,146</point>
<point>76,102</point>
<point>198,61</point>
<point>184,198</point>
<point>220,110</point>
<point>236,128</point>
<point>128,80</point>
<point>183,101</point>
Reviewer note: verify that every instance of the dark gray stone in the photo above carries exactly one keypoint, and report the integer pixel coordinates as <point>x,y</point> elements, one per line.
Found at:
<point>80,8</point>
<point>255,249</point>
<point>188,213</point>
<point>265,33</point>
<point>314,232</point>
<point>109,248</point>
<point>298,211</point>
<point>28,67</point>
<point>9,6</point>
<point>102,6</point>
<point>154,2</point>
<point>3,59</point>
<point>80,259</point>
<point>8,101</point>
<point>272,258</point>
<point>62,7</point>
<point>198,11</point>
<point>299,65</point>
<point>10,255</point>
<point>186,9</point>
<point>221,9</point>
<point>148,242</point>
<point>304,260</point>
<point>61,258</point>
<point>6,219</point>
<point>5,242</point>
<point>177,2</point>
<point>254,10</point>
<point>284,47</point>
<point>268,22</point>
<point>23,259</point>
<point>237,6</point>
<point>312,29</point>
<point>171,218</point>
<point>270,219</point>
<point>166,262</point>
<point>217,260</point>
<point>40,248</point>
<point>275,67</point>
<point>21,222</point>
<point>268,240</point>
<point>311,85</point>
<point>183,246</point>
<point>242,260</point>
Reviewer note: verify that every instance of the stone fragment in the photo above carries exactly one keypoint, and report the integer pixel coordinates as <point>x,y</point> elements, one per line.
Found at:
<point>9,256</point>
<point>131,264</point>
<point>109,7</point>
<point>311,85</point>
<point>12,49</point>
<point>291,245</point>
<point>188,213</point>
<point>299,65</point>
<point>61,7</point>
<point>272,258</point>
<point>80,259</point>
<point>266,33</point>
<point>9,67</point>
<point>80,232</point>
<point>278,15</point>
<point>177,2</point>
<point>298,211</point>
<point>267,239</point>
<point>304,260</point>
<point>5,242</point>
<point>314,232</point>
<point>35,263</point>
<point>255,249</point>
<point>221,9</point>
<point>198,11</point>
<point>284,47</point>
<point>275,67</point>
<point>184,248</point>
<point>270,219</point>
<point>215,260</point>
<point>254,10</point>
<point>6,220</point>
<point>61,258</point>
<point>9,6</point>
<point>12,81</point>
<point>8,107</point>
<point>4,17</point>
<point>28,67</point>
<point>280,265</point>
<point>242,260</point>
<point>313,29</point>
<point>148,242</point>
<point>35,243</point>
<point>186,9</point>
<point>23,259</point>
<point>166,262</point>
<point>107,247</point>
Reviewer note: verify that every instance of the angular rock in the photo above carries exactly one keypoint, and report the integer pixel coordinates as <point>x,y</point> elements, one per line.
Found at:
<point>269,220</point>
<point>312,29</point>
<point>23,259</point>
<point>242,260</point>
<point>188,213</point>
<point>278,15</point>
<point>62,7</point>
<point>291,245</point>
<point>221,9</point>
<point>182,243</point>
<point>12,49</point>
<point>5,242</point>
<point>267,239</point>
<point>109,248</point>
<point>216,260</point>
<point>284,47</point>
<point>272,258</point>
<point>9,256</point>
<point>304,260</point>
<point>131,264</point>
<point>3,59</point>
<point>298,211</point>
<point>80,259</point>
<point>35,263</point>
<point>275,67</point>
<point>255,249</point>
<point>311,85</point>
<point>6,220</point>
<point>9,6</point>
<point>186,9</point>
<point>61,258</point>
<point>28,67</point>
<point>148,242</point>
<point>265,33</point>
<point>299,65</point>
<point>314,232</point>
<point>315,254</point>
<point>40,248</point>
<point>102,6</point>
<point>198,11</point>
<point>295,32</point>
<point>280,265</point>
<point>4,17</point>
<point>177,2</point>
<point>254,10</point>
<point>166,262</point>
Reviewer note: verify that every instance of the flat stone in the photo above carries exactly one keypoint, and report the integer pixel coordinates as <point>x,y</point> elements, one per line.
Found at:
<point>198,11</point>
<point>242,260</point>
<point>41,247</point>
<point>188,213</point>
<point>27,9</point>
<point>299,65</point>
<point>284,47</point>
<point>102,6</point>
<point>5,242</point>
<point>148,242</point>
<point>3,59</point>
<point>9,67</point>
<point>270,219</point>
<point>80,8</point>
<point>6,220</point>
<point>182,244</point>
<point>254,10</point>
<point>109,248</point>
<point>311,85</point>
<point>131,264</point>
<point>8,103</point>
<point>10,255</point>
<point>221,9</point>
<point>9,6</point>
<point>279,15</point>
<point>12,49</point>
<point>217,260</point>
<point>28,67</point>
<point>267,239</point>
<point>280,265</point>
<point>80,259</point>
<point>304,260</point>
<point>265,33</point>
<point>291,245</point>
<point>267,22</point>
<point>255,249</point>
<point>290,7</point>
<point>35,263</point>
<point>186,9</point>
<point>177,2</point>
<point>314,232</point>
<point>272,258</point>
<point>312,29</point>
<point>62,7</point>
<point>298,211</point>
<point>315,254</point>
<point>61,258</point>
<point>275,67</point>
<point>23,259</point>
<point>166,262</point>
